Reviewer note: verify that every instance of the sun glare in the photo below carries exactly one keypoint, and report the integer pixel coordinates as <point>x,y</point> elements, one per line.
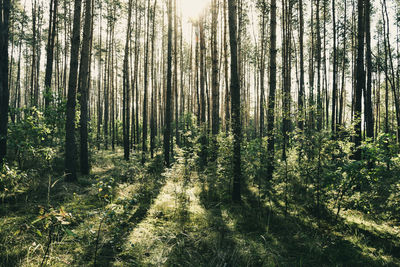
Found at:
<point>191,9</point>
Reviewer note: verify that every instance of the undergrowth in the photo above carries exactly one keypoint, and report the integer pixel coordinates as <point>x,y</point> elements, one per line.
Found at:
<point>128,214</point>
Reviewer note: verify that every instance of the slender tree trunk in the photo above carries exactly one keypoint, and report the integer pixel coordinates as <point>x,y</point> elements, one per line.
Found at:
<point>360,80</point>
<point>50,51</point>
<point>17,104</point>
<point>167,131</point>
<point>318,58</point>
<point>70,145</point>
<point>5,6</point>
<point>272,92</point>
<point>215,81</point>
<point>99,107</point>
<point>33,73</point>
<point>176,101</point>
<point>226,67</point>
<point>84,89</point>
<point>203,94</point>
<point>154,86</point>
<point>135,89</point>
<point>342,97</point>
<point>106,84</point>
<point>235,100</point>
<point>126,88</point>
<point>369,117</point>
<point>334,74</point>
<point>262,70</point>
<point>301,91</point>
<point>146,82</point>
<point>286,52</point>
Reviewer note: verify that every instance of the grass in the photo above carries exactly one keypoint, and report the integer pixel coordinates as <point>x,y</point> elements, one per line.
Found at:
<point>126,214</point>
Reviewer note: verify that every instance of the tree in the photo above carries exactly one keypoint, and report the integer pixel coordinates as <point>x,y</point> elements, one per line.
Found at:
<point>126,88</point>
<point>203,93</point>
<point>167,130</point>
<point>235,100</point>
<point>50,52</point>
<point>226,66</point>
<point>146,82</point>
<point>301,86</point>
<point>215,81</point>
<point>154,86</point>
<point>262,67</point>
<point>70,145</point>
<point>84,88</point>
<point>318,59</point>
<point>286,70</point>
<point>369,117</point>
<point>360,79</point>
<point>334,72</point>
<point>272,92</point>
<point>4,89</point>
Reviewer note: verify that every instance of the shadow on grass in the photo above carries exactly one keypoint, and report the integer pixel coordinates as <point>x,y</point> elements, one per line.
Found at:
<point>241,235</point>
<point>303,242</point>
<point>119,229</point>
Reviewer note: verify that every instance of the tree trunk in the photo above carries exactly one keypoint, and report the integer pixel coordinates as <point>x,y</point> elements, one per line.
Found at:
<point>334,74</point>
<point>226,67</point>
<point>70,145</point>
<point>176,101</point>
<point>272,92</point>
<point>153,87</point>
<point>167,131</point>
<point>50,51</point>
<point>99,107</point>
<point>262,70</point>
<point>126,88</point>
<point>360,80</point>
<point>84,89</point>
<point>203,94</point>
<point>214,75</point>
<point>301,91</point>
<point>369,117</point>
<point>318,58</point>
<point>235,100</point>
<point>146,82</point>
<point>4,89</point>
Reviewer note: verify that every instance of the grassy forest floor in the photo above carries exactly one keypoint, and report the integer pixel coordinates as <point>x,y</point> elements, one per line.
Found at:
<point>126,214</point>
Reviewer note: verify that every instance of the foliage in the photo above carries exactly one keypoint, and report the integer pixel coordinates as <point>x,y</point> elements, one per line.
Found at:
<point>12,180</point>
<point>33,139</point>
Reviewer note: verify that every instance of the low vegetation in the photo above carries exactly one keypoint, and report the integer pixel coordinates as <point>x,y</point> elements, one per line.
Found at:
<point>320,209</point>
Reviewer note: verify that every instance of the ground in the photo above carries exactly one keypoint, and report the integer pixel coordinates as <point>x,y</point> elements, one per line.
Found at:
<point>126,214</point>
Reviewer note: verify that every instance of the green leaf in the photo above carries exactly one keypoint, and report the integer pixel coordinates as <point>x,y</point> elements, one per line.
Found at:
<point>70,233</point>
<point>37,220</point>
<point>39,233</point>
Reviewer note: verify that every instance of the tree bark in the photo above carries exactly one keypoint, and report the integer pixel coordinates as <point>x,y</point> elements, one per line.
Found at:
<point>84,89</point>
<point>301,87</point>
<point>154,86</point>
<point>334,74</point>
<point>215,81</point>
<point>50,51</point>
<point>360,80</point>
<point>167,131</point>
<point>235,100</point>
<point>126,87</point>
<point>70,145</point>
<point>5,6</point>
<point>369,117</point>
<point>272,92</point>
